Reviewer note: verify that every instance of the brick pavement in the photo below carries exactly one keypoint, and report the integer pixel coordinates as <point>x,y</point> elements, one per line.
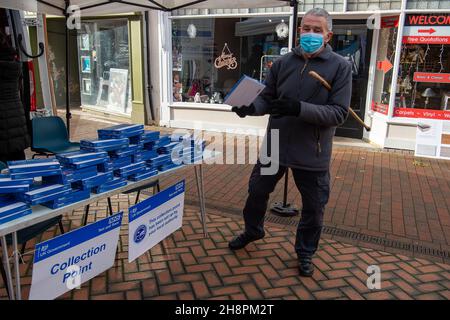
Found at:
<point>387,195</point>
<point>187,266</point>
<point>375,193</point>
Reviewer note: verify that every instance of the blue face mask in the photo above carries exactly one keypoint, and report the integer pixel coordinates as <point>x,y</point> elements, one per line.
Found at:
<point>311,42</point>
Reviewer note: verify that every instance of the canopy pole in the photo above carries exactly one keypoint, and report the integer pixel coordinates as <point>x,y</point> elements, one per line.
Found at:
<point>68,114</point>
<point>294,4</point>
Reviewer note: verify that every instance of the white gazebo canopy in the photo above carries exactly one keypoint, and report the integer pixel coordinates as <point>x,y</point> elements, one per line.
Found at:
<point>102,7</point>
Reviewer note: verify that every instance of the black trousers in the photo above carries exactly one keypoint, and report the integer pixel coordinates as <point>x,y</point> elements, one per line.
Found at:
<point>314,187</point>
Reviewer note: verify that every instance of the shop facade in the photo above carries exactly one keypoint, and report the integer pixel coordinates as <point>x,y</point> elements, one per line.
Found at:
<point>110,63</point>
<point>399,51</point>
<point>412,83</point>
<point>106,65</point>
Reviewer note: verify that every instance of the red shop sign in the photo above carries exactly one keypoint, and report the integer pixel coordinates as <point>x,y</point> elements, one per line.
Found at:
<point>427,29</point>
<point>432,77</point>
<point>380,108</point>
<point>422,113</point>
<point>390,22</point>
<point>427,20</point>
<point>426,40</point>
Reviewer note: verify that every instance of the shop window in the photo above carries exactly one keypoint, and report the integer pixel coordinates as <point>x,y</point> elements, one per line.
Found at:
<point>428,4</point>
<point>364,5</point>
<point>187,12</point>
<point>329,5</point>
<point>204,12</point>
<point>268,10</point>
<point>228,11</point>
<point>103,53</point>
<point>384,72</point>
<point>423,85</point>
<point>207,61</point>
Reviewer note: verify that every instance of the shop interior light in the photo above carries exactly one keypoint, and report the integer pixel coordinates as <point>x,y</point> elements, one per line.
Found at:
<point>428,93</point>
<point>192,31</point>
<point>282,30</point>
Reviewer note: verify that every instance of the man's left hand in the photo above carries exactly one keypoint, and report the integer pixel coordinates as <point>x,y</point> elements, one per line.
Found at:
<point>285,107</point>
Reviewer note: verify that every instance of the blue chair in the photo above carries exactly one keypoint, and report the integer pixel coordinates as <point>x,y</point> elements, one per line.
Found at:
<point>2,166</point>
<point>50,137</point>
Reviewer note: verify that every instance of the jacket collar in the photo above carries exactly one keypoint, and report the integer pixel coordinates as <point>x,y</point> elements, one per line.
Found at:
<point>324,55</point>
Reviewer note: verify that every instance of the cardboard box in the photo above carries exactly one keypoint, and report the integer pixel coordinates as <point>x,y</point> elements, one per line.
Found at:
<point>46,198</point>
<point>150,136</point>
<point>7,182</point>
<point>114,184</point>
<point>35,174</point>
<point>126,152</point>
<point>104,145</point>
<point>73,197</point>
<point>80,156</point>
<point>87,163</point>
<point>95,181</point>
<point>170,147</point>
<point>121,162</point>
<point>15,216</point>
<point>25,166</point>
<point>12,207</point>
<point>121,131</point>
<point>38,191</point>
<point>144,175</point>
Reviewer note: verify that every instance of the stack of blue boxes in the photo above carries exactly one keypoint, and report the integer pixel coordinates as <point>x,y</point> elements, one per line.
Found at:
<point>86,171</point>
<point>159,158</point>
<point>194,150</point>
<point>130,162</point>
<point>123,152</point>
<point>13,209</point>
<point>105,180</point>
<point>184,149</point>
<point>30,182</point>
<point>149,152</point>
<point>51,185</point>
<point>10,207</point>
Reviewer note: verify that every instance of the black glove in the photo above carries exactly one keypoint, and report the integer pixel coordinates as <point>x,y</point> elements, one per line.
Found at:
<point>244,110</point>
<point>285,107</point>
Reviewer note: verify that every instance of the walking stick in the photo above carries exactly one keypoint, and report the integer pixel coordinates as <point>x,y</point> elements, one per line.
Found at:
<point>325,83</point>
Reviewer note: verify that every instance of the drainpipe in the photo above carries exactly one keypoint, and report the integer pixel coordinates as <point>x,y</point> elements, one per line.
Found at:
<point>149,77</point>
<point>294,4</point>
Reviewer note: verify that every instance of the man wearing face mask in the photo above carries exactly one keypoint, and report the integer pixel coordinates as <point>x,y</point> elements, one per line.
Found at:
<point>306,115</point>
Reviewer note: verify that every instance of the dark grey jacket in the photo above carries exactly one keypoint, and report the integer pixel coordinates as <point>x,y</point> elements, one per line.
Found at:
<point>306,141</point>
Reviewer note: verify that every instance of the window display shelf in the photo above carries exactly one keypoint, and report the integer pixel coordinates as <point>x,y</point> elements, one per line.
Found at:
<point>105,111</point>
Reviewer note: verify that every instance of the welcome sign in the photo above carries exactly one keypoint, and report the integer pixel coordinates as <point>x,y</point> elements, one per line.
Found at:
<point>154,219</point>
<point>427,29</point>
<point>65,262</point>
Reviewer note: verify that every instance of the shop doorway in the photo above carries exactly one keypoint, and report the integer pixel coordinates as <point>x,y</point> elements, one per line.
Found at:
<point>353,40</point>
